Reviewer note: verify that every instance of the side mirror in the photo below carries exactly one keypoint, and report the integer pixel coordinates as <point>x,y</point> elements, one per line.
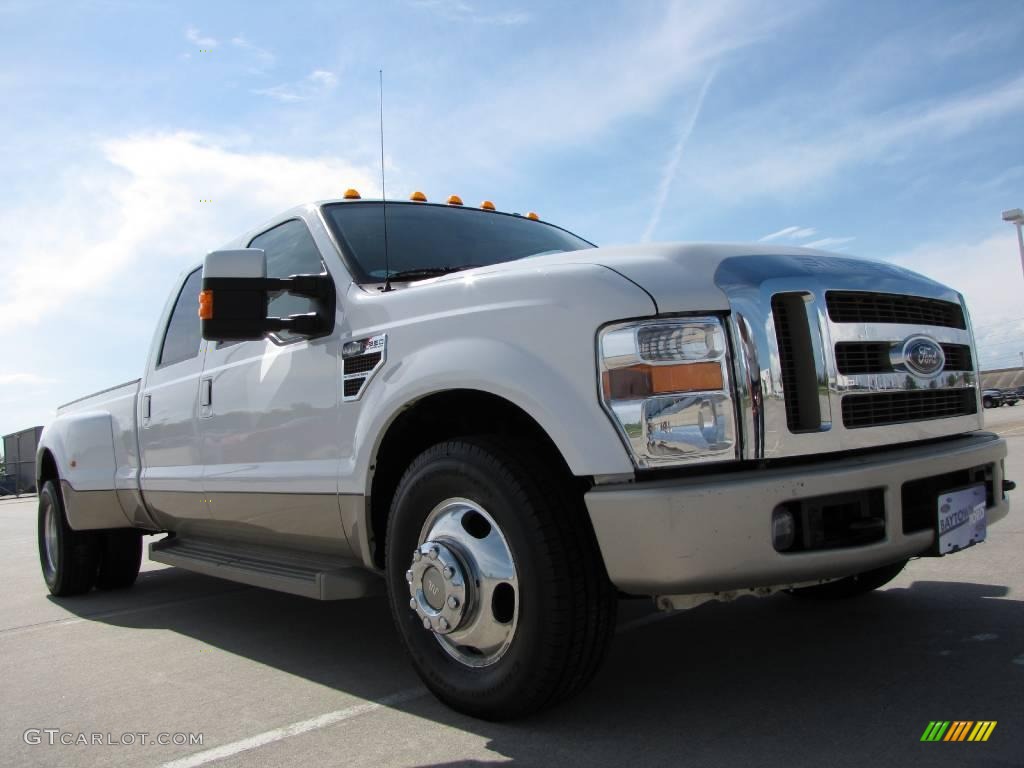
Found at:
<point>236,294</point>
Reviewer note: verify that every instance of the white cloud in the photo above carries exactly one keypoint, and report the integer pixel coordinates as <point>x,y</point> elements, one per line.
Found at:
<point>668,173</point>
<point>459,10</point>
<point>314,84</point>
<point>137,205</point>
<point>988,273</point>
<point>323,78</point>
<point>576,91</point>
<point>829,242</point>
<point>193,36</point>
<point>24,378</point>
<point>789,233</point>
<point>751,161</point>
<point>264,58</point>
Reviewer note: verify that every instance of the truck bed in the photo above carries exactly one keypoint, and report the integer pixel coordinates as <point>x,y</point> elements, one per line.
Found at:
<point>94,440</point>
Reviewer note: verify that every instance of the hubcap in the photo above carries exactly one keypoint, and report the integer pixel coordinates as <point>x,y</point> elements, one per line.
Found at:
<point>463,584</point>
<point>50,537</point>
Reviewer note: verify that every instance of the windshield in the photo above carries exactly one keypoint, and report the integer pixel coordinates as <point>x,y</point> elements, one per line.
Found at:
<point>434,237</point>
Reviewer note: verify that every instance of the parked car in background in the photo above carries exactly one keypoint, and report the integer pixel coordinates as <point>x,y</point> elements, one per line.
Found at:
<point>1010,396</point>
<point>991,398</point>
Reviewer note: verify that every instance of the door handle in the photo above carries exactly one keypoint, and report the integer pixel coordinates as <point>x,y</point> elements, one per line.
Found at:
<point>206,392</point>
<point>146,406</point>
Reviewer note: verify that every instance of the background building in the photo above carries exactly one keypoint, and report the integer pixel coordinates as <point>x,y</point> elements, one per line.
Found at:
<point>20,461</point>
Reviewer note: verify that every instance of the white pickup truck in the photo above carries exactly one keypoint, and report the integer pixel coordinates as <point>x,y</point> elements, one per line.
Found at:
<point>505,428</point>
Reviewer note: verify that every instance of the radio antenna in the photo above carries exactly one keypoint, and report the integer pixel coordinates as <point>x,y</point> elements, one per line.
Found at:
<point>383,195</point>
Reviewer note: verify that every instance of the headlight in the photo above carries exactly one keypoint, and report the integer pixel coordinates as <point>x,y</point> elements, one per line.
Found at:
<point>665,384</point>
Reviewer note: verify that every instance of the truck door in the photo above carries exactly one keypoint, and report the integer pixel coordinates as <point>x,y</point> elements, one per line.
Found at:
<point>171,477</point>
<point>268,421</point>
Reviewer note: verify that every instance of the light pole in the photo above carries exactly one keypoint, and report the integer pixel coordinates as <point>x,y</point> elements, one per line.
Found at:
<point>1016,217</point>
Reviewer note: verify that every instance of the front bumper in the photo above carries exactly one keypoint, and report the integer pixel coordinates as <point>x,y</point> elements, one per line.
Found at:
<point>713,533</point>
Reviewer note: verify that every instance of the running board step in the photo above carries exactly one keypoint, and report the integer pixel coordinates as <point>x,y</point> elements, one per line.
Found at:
<point>299,573</point>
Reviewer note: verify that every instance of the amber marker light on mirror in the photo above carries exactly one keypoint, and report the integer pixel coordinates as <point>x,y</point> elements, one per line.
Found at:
<point>206,305</point>
<point>641,381</point>
<point>352,194</point>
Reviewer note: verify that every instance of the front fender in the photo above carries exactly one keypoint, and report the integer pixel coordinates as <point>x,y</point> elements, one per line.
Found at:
<point>527,338</point>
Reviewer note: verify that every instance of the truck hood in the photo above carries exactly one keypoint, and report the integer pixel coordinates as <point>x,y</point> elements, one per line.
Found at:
<point>686,277</point>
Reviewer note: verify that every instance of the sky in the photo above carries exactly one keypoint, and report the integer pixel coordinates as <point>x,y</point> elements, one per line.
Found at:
<point>883,130</point>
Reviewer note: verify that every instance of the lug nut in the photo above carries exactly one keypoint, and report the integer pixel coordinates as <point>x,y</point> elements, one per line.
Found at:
<point>443,622</point>
<point>448,572</point>
<point>426,623</point>
<point>433,553</point>
<point>416,556</point>
<point>408,577</point>
<point>412,603</point>
<point>453,601</point>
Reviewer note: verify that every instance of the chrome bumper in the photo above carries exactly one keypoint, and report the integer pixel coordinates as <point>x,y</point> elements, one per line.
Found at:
<point>713,534</point>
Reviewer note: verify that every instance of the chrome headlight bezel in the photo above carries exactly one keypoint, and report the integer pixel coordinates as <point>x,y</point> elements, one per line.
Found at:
<point>675,427</point>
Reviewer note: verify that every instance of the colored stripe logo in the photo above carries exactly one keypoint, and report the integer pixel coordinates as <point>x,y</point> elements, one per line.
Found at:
<point>959,730</point>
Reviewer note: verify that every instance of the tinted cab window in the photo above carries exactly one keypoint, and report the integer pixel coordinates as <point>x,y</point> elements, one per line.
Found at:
<point>181,340</point>
<point>290,251</point>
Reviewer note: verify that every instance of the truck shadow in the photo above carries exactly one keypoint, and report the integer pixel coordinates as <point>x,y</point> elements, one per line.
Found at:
<point>775,680</point>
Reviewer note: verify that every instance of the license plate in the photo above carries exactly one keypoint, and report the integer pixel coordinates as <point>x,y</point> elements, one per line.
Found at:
<point>962,519</point>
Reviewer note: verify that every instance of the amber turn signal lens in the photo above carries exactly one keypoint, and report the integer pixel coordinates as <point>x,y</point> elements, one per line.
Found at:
<point>487,205</point>
<point>418,197</point>
<point>352,194</point>
<point>532,215</point>
<point>454,200</point>
<point>206,305</point>
<point>640,381</point>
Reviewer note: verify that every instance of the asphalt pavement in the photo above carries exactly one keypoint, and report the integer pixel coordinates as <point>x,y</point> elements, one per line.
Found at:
<point>266,679</point>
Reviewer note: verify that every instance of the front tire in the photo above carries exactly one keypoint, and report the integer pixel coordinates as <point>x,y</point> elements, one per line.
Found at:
<point>69,558</point>
<point>852,586</point>
<point>545,637</point>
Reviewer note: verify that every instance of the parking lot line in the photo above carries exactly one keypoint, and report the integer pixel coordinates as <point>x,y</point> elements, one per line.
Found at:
<point>295,729</point>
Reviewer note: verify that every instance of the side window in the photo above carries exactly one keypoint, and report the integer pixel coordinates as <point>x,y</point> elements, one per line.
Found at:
<point>290,251</point>
<point>182,337</point>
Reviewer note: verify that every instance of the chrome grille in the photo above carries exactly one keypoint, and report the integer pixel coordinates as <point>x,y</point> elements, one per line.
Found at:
<point>854,358</point>
<point>787,361</point>
<point>856,386</point>
<point>866,307</point>
<point>883,408</point>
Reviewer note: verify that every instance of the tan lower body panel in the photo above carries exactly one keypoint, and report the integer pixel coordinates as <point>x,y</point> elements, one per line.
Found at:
<point>711,534</point>
<point>308,522</point>
<point>92,510</point>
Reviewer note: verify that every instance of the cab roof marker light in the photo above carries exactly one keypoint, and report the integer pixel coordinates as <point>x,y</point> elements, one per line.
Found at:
<point>418,197</point>
<point>352,194</point>
<point>487,205</point>
<point>454,200</point>
<point>532,215</point>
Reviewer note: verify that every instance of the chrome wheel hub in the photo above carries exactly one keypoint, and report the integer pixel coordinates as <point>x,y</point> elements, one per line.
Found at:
<point>50,537</point>
<point>438,587</point>
<point>463,583</point>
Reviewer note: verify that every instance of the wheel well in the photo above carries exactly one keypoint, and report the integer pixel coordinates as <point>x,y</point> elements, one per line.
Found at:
<point>47,469</point>
<point>434,419</point>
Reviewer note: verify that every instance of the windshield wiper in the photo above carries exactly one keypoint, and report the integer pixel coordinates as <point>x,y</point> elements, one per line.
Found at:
<point>425,272</point>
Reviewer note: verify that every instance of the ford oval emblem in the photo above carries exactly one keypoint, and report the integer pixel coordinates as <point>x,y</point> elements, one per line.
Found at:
<point>923,356</point>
